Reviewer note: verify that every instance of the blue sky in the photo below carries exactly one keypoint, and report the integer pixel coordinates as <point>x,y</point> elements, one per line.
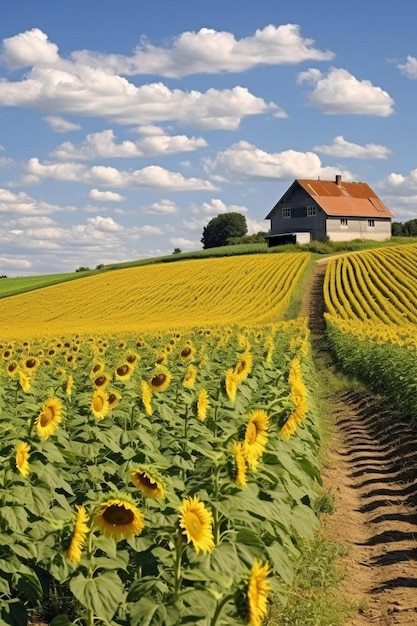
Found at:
<point>126,126</point>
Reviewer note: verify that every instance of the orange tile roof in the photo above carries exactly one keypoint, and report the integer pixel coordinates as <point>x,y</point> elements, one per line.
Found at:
<point>347,199</point>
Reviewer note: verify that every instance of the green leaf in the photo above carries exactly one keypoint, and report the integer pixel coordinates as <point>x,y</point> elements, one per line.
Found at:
<point>142,612</point>
<point>61,620</point>
<point>15,517</point>
<point>101,595</point>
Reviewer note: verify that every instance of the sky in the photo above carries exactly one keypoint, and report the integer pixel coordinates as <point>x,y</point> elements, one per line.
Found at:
<point>125,126</point>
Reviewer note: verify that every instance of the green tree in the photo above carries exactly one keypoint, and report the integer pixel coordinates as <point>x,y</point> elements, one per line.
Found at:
<point>397,229</point>
<point>223,227</point>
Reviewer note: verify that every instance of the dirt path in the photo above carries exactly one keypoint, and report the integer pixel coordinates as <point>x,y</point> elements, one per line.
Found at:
<point>371,470</point>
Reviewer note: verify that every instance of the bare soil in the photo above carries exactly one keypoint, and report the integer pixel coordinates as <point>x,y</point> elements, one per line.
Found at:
<point>371,470</point>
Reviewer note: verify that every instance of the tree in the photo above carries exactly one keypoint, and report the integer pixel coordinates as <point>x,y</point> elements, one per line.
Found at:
<point>177,251</point>
<point>223,227</point>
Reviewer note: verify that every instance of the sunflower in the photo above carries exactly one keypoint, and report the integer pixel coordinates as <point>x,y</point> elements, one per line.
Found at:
<point>196,524</point>
<point>101,381</point>
<point>256,437</point>
<point>30,364</point>
<point>120,518</point>
<point>69,386</point>
<point>244,367</point>
<point>124,371</point>
<point>100,404</point>
<point>78,537</point>
<point>22,459</point>
<point>189,379</point>
<point>230,383</point>
<point>289,428</point>
<point>96,370</point>
<point>160,380</point>
<point>24,381</point>
<point>12,368</point>
<point>203,404</point>
<point>132,358</point>
<point>187,352</point>
<point>6,354</point>
<point>240,463</point>
<point>114,398</point>
<point>49,418</point>
<point>148,481</point>
<point>257,593</point>
<point>146,397</point>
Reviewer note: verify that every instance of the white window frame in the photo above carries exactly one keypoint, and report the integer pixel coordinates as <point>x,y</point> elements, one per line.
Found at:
<point>371,223</point>
<point>343,222</point>
<point>286,212</point>
<point>311,211</point>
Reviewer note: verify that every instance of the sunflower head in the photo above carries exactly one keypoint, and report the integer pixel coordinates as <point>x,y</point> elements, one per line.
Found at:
<point>100,404</point>
<point>187,352</point>
<point>49,418</point>
<point>256,436</point>
<point>78,536</point>
<point>123,371</point>
<point>22,459</point>
<point>149,481</point>
<point>114,398</point>
<point>243,367</point>
<point>189,379</point>
<point>160,380</point>
<point>119,517</point>
<point>203,404</point>
<point>257,593</point>
<point>101,381</point>
<point>239,463</point>
<point>146,392</point>
<point>12,368</point>
<point>230,383</point>
<point>195,521</point>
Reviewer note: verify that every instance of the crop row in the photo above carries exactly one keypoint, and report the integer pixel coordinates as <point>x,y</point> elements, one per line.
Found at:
<point>160,478</point>
<point>377,285</point>
<point>220,291</point>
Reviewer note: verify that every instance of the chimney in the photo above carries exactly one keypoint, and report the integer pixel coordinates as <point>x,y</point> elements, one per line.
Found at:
<point>338,180</point>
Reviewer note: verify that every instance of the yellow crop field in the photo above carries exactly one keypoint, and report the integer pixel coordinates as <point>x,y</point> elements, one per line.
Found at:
<point>235,290</point>
<point>378,285</point>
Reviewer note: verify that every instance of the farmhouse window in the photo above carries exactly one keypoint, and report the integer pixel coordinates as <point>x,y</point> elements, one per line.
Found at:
<point>311,211</point>
<point>343,221</point>
<point>371,223</point>
<point>286,212</point>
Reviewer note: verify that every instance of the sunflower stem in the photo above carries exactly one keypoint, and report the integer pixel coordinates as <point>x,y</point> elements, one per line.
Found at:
<point>31,425</point>
<point>179,549</point>
<point>219,609</point>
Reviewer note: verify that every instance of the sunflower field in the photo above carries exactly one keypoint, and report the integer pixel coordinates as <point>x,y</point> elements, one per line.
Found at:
<point>371,303</point>
<point>157,469</point>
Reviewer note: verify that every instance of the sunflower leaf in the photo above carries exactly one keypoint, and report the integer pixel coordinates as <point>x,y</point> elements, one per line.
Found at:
<point>101,595</point>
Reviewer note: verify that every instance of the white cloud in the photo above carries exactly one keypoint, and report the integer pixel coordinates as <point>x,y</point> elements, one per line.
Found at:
<point>106,224</point>
<point>58,86</point>
<point>345,149</point>
<point>211,51</point>
<point>29,48</point>
<point>151,177</point>
<point>102,145</point>
<point>409,68</point>
<point>61,125</point>
<point>182,242</point>
<point>215,207</point>
<point>163,207</point>
<point>341,93</point>
<point>105,196</point>
<point>249,162</point>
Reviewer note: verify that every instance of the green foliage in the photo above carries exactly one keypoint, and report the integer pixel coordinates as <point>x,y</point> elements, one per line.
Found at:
<point>315,598</point>
<point>222,228</point>
<point>404,229</point>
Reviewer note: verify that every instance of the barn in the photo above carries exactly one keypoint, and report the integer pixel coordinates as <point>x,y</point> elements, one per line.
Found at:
<point>331,210</point>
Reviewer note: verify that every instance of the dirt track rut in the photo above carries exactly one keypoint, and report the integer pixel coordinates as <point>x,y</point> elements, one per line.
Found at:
<point>371,471</point>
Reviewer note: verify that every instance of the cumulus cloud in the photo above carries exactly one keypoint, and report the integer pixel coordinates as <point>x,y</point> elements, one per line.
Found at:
<point>29,48</point>
<point>399,192</point>
<point>78,87</point>
<point>105,196</point>
<point>106,224</point>
<point>103,145</point>
<point>409,68</point>
<point>61,125</point>
<point>342,93</point>
<point>216,206</point>
<point>163,207</point>
<point>246,161</point>
<point>345,149</point>
<point>209,51</point>
<point>182,242</point>
<point>151,177</point>
<point>22,204</point>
